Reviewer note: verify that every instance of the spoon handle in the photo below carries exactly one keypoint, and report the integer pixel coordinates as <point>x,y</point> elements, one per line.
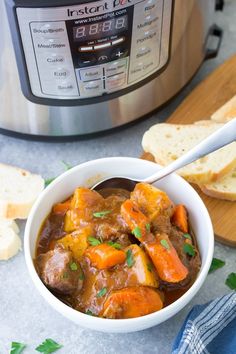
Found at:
<point>220,138</point>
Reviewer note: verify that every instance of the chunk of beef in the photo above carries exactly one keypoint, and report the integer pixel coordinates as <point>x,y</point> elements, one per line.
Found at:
<point>161,224</point>
<point>58,270</point>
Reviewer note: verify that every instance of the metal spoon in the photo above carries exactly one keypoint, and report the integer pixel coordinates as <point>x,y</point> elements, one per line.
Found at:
<point>220,138</point>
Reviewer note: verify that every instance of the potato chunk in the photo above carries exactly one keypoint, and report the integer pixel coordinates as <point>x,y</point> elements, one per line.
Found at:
<point>152,201</point>
<point>83,203</point>
<point>76,242</point>
<point>142,267</point>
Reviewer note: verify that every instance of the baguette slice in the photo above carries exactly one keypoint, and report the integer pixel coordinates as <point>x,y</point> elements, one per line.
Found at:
<point>10,242</point>
<point>226,112</point>
<point>208,122</point>
<point>18,191</point>
<point>224,188</point>
<point>167,142</point>
<point>9,223</point>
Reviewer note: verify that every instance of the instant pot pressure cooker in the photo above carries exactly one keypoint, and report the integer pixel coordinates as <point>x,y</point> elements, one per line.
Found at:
<point>88,66</point>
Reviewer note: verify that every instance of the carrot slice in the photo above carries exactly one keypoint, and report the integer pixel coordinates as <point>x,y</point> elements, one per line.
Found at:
<point>134,218</point>
<point>132,302</point>
<point>61,208</point>
<point>166,260</point>
<point>180,218</point>
<point>105,256</point>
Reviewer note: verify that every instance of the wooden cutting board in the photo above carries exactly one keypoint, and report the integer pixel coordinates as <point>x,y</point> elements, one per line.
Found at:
<point>204,100</point>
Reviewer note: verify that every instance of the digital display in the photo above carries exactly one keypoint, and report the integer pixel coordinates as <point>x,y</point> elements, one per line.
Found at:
<point>96,30</point>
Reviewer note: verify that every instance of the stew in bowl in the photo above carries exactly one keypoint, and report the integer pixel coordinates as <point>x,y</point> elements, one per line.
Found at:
<point>115,254</point>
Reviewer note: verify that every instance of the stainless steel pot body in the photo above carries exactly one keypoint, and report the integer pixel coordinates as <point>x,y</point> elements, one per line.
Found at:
<point>192,20</point>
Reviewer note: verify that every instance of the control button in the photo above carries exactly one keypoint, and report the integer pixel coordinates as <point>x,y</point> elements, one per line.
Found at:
<point>52,40</point>
<point>91,73</point>
<point>149,6</point>
<point>116,81</point>
<point>61,73</point>
<point>147,35</point>
<point>142,68</point>
<point>87,60</point>
<point>143,51</point>
<point>100,46</point>
<point>103,58</point>
<point>55,59</point>
<point>65,87</point>
<point>85,49</point>
<point>47,29</point>
<point>91,88</point>
<point>116,67</point>
<point>136,68</point>
<point>148,21</point>
<point>148,66</point>
<point>118,41</point>
<point>119,53</point>
<point>61,88</point>
<point>50,45</point>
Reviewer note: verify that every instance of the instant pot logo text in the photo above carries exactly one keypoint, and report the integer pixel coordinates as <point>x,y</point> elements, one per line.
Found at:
<point>94,9</point>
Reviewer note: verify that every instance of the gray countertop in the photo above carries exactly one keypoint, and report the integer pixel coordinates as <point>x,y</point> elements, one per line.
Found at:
<point>24,315</point>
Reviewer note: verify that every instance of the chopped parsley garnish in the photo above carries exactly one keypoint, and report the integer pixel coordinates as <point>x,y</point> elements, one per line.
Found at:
<point>165,244</point>
<point>129,258</point>
<point>48,346</point>
<point>17,348</point>
<point>216,264</point>
<point>73,266</point>
<point>88,312</point>
<point>66,165</point>
<point>93,241</point>
<point>148,227</point>
<point>189,249</point>
<point>102,292</point>
<point>187,236</point>
<point>48,181</point>
<point>149,267</point>
<point>114,244</point>
<point>231,281</point>
<point>137,232</point>
<point>101,214</point>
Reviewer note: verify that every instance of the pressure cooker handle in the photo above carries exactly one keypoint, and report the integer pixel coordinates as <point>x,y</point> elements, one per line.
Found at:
<point>217,32</point>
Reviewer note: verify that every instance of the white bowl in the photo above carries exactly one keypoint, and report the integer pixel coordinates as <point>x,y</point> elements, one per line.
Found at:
<point>87,174</point>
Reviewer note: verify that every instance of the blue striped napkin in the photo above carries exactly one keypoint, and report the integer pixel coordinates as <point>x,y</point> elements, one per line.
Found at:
<point>209,328</point>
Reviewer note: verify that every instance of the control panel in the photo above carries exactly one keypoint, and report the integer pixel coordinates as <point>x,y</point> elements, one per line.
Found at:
<point>95,48</point>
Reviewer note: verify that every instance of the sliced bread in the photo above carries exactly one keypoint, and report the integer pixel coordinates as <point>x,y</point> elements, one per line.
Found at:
<point>226,112</point>
<point>208,122</point>
<point>9,223</point>
<point>10,242</point>
<point>224,188</point>
<point>18,191</point>
<point>167,142</point>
